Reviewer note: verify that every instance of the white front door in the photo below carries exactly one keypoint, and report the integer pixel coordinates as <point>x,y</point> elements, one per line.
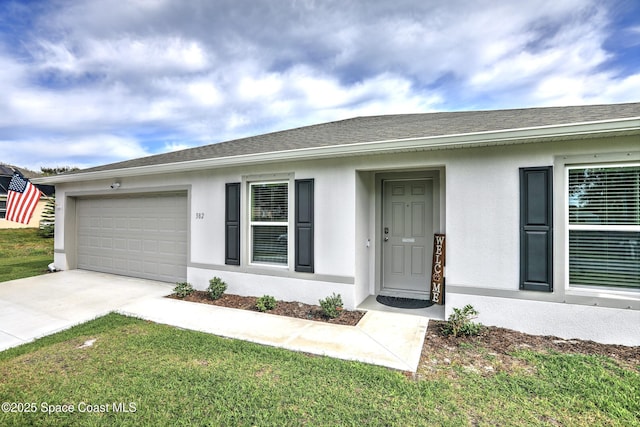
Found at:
<point>407,234</point>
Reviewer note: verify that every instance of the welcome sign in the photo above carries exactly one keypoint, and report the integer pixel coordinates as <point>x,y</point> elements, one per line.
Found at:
<point>437,269</point>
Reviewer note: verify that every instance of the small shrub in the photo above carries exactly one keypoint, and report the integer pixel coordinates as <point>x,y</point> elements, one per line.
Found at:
<point>216,288</point>
<point>46,229</point>
<point>48,218</point>
<point>266,303</point>
<point>332,306</point>
<point>460,322</point>
<point>183,289</point>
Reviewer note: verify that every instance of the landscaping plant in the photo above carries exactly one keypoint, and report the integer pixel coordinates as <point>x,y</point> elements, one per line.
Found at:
<point>266,303</point>
<point>183,289</point>
<point>331,306</point>
<point>216,288</point>
<point>460,322</point>
<point>47,223</point>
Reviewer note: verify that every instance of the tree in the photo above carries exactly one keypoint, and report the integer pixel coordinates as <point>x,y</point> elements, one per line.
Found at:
<point>57,170</point>
<point>48,220</point>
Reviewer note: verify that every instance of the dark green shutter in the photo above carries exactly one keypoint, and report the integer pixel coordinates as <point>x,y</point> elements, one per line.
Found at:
<point>304,225</point>
<point>536,229</point>
<point>232,224</point>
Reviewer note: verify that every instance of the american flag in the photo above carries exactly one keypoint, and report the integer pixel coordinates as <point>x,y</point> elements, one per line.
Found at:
<point>22,199</point>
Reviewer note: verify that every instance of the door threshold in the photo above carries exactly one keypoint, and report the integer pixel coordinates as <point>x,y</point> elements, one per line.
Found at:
<point>409,295</point>
<point>435,312</point>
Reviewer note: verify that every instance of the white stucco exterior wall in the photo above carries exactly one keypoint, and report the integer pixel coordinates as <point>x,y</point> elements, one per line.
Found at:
<point>483,248</point>
<point>483,214</point>
<point>208,198</point>
<point>334,228</point>
<point>600,324</point>
<point>334,234</point>
<point>335,231</point>
<point>479,210</point>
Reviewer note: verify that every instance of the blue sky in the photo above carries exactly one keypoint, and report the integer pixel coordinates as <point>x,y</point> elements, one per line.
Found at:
<point>88,82</point>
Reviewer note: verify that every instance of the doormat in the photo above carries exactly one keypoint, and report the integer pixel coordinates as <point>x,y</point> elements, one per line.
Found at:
<point>403,302</point>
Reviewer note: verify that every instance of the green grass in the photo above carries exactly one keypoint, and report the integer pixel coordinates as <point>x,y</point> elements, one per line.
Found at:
<point>23,253</point>
<point>170,376</point>
<point>179,377</point>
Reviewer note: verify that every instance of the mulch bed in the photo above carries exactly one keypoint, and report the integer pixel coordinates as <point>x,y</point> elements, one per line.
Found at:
<point>494,348</point>
<point>283,308</point>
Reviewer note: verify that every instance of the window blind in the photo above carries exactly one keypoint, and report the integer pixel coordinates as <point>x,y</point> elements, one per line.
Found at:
<point>604,226</point>
<point>270,244</point>
<point>604,196</point>
<point>270,222</point>
<point>269,202</point>
<point>604,258</point>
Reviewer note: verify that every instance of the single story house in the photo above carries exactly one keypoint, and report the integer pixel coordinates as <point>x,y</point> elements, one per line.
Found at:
<point>540,208</point>
<point>6,173</point>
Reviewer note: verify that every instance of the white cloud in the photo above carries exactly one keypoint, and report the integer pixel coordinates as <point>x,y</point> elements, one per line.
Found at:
<point>80,151</point>
<point>268,86</point>
<point>385,93</point>
<point>204,93</point>
<point>156,54</point>
<point>626,89</point>
<point>115,58</point>
<point>175,146</point>
<point>168,74</point>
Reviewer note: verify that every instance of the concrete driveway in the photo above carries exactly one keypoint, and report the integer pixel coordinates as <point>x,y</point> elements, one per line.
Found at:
<point>37,306</point>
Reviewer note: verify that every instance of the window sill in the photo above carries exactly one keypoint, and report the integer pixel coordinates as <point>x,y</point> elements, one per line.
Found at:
<point>603,296</point>
<point>268,265</point>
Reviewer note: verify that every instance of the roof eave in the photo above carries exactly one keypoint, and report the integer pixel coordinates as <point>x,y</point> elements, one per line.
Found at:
<point>489,138</point>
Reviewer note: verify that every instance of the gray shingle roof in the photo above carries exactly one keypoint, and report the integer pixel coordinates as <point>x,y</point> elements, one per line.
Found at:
<point>389,127</point>
<point>7,170</point>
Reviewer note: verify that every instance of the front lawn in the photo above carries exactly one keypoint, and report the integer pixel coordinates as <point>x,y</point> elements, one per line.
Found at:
<point>23,253</point>
<point>162,375</point>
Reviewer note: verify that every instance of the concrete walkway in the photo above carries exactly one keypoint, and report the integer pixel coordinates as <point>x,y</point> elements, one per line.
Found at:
<point>38,306</point>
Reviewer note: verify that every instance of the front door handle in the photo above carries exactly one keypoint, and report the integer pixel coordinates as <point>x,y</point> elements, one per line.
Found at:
<point>386,239</point>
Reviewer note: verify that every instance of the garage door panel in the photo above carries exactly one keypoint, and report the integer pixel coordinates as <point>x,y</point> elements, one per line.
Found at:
<point>167,224</point>
<point>166,269</point>
<point>135,224</point>
<point>151,224</point>
<point>120,224</point>
<point>150,246</point>
<point>120,263</point>
<point>166,247</point>
<point>107,243</point>
<point>135,245</point>
<point>136,236</point>
<point>106,262</point>
<point>120,244</point>
<point>83,259</point>
<point>135,267</point>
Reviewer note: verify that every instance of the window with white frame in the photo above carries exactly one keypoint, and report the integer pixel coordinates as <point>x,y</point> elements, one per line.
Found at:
<point>604,226</point>
<point>269,222</point>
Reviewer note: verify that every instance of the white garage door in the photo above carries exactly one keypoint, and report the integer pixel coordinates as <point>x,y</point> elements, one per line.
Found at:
<point>134,236</point>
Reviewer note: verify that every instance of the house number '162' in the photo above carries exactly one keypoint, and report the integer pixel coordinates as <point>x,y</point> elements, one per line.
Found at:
<point>199,215</point>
